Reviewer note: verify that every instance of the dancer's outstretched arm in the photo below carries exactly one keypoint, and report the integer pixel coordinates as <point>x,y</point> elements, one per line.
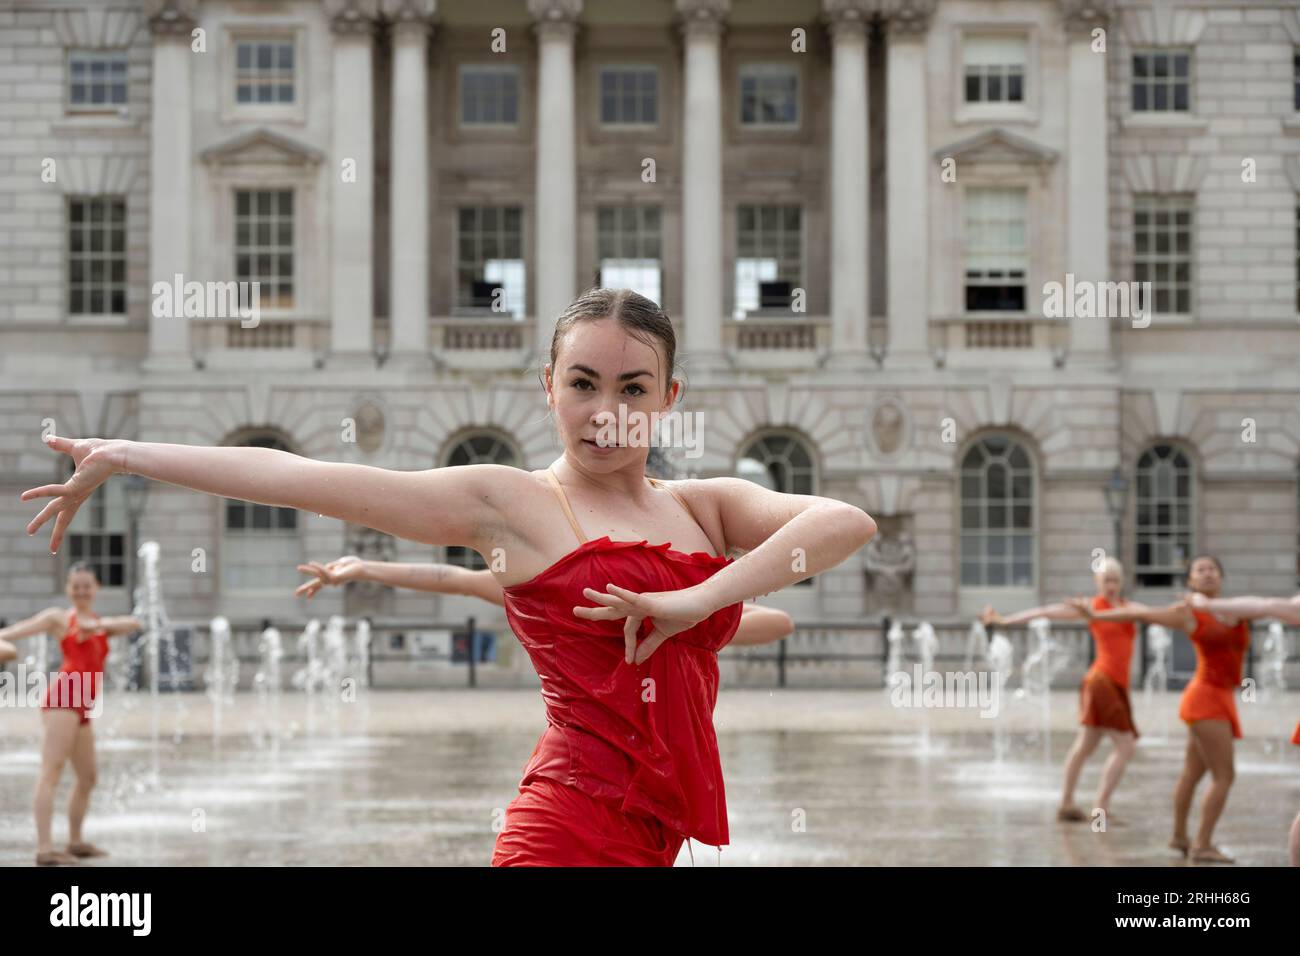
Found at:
<point>758,625</point>
<point>1286,610</point>
<point>1174,615</point>
<point>455,505</point>
<point>48,621</point>
<point>1053,612</point>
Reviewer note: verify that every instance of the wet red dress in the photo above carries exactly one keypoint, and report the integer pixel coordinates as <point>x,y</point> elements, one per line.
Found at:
<point>628,766</point>
<point>1103,695</point>
<point>83,662</point>
<point>1212,692</point>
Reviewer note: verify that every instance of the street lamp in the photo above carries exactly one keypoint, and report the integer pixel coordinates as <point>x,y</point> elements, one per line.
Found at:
<point>1116,492</point>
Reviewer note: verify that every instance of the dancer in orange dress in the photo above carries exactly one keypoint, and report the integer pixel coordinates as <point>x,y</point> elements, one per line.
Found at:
<point>624,633</point>
<point>758,624</point>
<point>1208,704</point>
<point>1104,709</point>
<point>68,707</point>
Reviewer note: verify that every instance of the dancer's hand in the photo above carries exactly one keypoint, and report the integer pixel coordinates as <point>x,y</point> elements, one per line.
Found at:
<point>988,616</point>
<point>340,571</point>
<point>1082,605</point>
<point>97,460</point>
<point>670,611</point>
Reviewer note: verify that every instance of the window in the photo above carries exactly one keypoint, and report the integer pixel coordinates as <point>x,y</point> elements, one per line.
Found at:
<point>264,71</point>
<point>1164,516</point>
<point>260,547</point>
<point>629,95</point>
<point>97,534</point>
<point>490,244</point>
<point>482,449</point>
<point>769,257</point>
<point>1295,82</point>
<point>264,244</point>
<point>1297,256</point>
<point>782,463</point>
<point>96,79</point>
<point>627,241</point>
<point>1161,81</point>
<point>769,95</point>
<point>97,256</point>
<point>995,69</point>
<point>489,96</point>
<point>1162,251</point>
<point>997,515</point>
<point>997,252</point>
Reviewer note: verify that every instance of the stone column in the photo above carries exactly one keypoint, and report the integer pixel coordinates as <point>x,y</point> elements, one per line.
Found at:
<point>850,179</point>
<point>909,172</point>
<point>170,166</point>
<point>556,179</point>
<point>1087,242</point>
<point>352,215</point>
<point>409,172</point>
<point>702,278</point>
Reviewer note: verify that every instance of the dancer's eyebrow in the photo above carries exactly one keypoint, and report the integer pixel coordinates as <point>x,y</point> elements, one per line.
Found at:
<point>594,374</point>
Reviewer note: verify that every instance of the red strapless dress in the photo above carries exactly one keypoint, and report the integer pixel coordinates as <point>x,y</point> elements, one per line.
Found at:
<point>83,665</point>
<point>628,765</point>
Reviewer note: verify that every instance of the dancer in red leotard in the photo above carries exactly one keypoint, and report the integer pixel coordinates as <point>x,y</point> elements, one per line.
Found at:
<point>758,624</point>
<point>68,707</point>
<point>623,632</point>
<point>1208,705</point>
<point>1104,708</point>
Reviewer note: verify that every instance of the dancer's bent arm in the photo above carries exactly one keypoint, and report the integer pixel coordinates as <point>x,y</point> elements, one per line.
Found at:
<point>48,621</point>
<point>452,505</point>
<point>1175,615</point>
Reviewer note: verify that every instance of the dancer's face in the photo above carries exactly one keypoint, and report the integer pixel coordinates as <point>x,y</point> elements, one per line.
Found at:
<point>81,588</point>
<point>1109,584</point>
<point>599,367</point>
<point>1205,577</point>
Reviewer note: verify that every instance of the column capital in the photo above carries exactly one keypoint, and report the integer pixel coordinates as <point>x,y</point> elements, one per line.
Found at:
<point>555,18</point>
<point>411,17</point>
<point>172,17</point>
<point>352,17</point>
<point>847,18</point>
<point>1083,16</point>
<point>703,17</point>
<point>904,18</point>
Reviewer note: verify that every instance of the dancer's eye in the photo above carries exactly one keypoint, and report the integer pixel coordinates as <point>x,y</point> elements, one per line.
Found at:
<point>639,390</point>
<point>582,383</point>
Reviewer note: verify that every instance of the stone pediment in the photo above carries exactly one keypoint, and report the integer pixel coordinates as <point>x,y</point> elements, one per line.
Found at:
<point>261,147</point>
<point>998,146</point>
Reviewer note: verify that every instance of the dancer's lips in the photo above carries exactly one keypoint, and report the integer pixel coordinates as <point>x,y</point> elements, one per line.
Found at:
<point>591,443</point>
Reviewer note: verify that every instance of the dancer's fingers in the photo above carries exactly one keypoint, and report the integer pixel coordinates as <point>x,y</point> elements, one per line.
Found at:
<point>45,513</point>
<point>609,600</point>
<point>650,645</point>
<point>44,491</point>
<point>60,525</point>
<point>630,627</point>
<point>599,613</point>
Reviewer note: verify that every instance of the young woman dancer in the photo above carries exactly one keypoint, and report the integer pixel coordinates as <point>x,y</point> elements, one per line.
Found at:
<point>1104,708</point>
<point>624,633</point>
<point>1208,705</point>
<point>758,624</point>
<point>67,707</point>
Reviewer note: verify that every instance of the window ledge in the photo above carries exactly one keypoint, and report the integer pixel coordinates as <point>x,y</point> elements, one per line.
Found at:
<point>95,123</point>
<point>993,113</point>
<point>1291,125</point>
<point>1170,120</point>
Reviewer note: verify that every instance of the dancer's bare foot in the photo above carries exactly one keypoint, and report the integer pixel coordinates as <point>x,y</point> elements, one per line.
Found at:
<point>86,849</point>
<point>1180,844</point>
<point>1070,814</point>
<point>55,858</point>
<point>1209,854</point>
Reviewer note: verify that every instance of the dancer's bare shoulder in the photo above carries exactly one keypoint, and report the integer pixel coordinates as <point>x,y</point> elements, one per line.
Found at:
<point>746,512</point>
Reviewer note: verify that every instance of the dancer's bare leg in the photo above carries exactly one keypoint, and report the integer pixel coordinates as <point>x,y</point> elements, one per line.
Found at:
<point>61,727</point>
<point>1084,744</point>
<point>1125,745</point>
<point>83,764</point>
<point>1215,739</point>
<point>1194,768</point>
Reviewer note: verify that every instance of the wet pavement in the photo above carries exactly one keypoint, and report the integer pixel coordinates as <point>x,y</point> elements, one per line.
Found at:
<point>813,777</point>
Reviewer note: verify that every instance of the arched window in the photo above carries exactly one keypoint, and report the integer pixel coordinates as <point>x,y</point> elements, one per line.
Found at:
<point>997,514</point>
<point>1164,516</point>
<point>783,463</point>
<point>484,448</point>
<point>260,550</point>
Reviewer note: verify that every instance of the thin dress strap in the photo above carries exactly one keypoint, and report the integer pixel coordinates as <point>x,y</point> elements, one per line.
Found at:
<point>564,502</point>
<point>682,501</point>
